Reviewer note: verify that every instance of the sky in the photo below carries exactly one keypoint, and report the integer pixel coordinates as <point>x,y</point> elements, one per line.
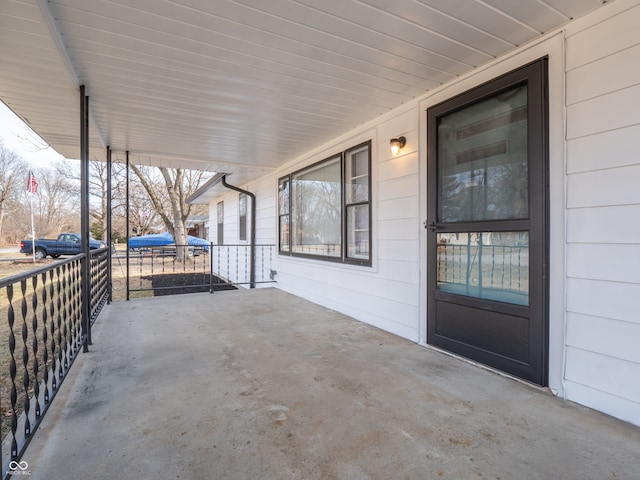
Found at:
<point>19,137</point>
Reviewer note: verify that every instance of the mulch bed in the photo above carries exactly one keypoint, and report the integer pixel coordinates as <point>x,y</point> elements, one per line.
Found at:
<point>178,283</point>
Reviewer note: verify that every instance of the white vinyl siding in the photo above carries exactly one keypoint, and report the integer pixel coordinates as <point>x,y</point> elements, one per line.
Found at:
<point>266,227</point>
<point>603,208</point>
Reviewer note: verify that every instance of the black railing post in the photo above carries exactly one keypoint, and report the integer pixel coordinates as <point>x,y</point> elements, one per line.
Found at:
<point>210,267</point>
<point>84,215</point>
<point>109,239</point>
<point>127,219</point>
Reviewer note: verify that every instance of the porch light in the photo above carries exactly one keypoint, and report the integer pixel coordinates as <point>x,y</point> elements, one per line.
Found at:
<point>397,144</point>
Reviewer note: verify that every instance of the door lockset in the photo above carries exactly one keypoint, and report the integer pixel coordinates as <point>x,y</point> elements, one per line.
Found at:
<point>430,226</point>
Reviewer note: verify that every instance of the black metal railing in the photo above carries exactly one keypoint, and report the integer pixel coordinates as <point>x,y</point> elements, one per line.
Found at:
<point>206,268</point>
<point>497,271</point>
<point>99,282</point>
<point>232,263</point>
<point>41,334</point>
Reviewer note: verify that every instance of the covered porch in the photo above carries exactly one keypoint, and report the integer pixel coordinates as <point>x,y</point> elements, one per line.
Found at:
<point>263,384</point>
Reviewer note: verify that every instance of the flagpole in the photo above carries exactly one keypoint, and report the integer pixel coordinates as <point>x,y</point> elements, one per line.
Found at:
<point>32,188</point>
<point>33,231</point>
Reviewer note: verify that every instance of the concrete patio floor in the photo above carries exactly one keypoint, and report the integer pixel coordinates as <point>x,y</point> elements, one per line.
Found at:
<point>264,385</point>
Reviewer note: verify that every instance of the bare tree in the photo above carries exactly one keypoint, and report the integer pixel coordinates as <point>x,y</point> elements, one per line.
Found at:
<point>98,190</point>
<point>56,203</point>
<point>178,185</point>
<point>13,176</point>
<point>142,213</point>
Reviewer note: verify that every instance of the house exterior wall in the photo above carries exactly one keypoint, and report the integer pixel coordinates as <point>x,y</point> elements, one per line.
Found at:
<point>603,209</point>
<point>386,294</point>
<point>231,261</point>
<point>594,327</point>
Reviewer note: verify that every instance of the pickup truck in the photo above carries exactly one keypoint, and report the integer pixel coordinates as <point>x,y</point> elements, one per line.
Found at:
<point>65,244</point>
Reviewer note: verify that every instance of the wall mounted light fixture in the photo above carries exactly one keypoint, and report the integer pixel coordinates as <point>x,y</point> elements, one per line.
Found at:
<point>397,144</point>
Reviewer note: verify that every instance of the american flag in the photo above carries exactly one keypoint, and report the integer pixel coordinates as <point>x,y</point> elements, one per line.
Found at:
<point>32,184</point>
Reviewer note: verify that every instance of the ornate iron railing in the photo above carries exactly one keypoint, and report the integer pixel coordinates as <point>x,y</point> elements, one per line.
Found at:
<point>41,334</point>
<point>206,268</point>
<point>99,282</point>
<point>500,272</point>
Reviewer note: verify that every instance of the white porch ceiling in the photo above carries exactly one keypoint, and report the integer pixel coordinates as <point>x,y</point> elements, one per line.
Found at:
<point>243,85</point>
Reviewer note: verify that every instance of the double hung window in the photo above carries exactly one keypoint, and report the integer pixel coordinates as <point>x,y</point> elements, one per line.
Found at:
<point>324,210</point>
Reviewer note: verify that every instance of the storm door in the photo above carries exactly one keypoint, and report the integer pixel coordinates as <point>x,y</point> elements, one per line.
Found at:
<point>487,224</point>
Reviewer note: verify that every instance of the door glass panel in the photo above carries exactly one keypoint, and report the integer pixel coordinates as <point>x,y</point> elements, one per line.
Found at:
<point>489,265</point>
<point>482,155</point>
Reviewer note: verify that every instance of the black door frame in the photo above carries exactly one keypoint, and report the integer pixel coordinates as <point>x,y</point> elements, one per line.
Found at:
<point>536,369</point>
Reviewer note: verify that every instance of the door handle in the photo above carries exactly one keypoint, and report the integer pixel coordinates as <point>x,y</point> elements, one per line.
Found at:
<point>431,226</point>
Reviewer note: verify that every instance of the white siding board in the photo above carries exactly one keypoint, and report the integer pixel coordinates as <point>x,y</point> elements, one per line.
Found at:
<point>606,336</point>
<point>406,208</point>
<point>602,39</point>
<point>359,283</point>
<point>607,374</point>
<point>265,191</point>
<point>615,148</point>
<point>388,296</point>
<point>615,72</point>
<point>407,250</point>
<point>397,270</point>
<point>614,300</point>
<point>397,291</point>
<point>603,113</point>
<point>402,125</point>
<point>604,224</point>
<point>622,408</point>
<point>398,188</point>
<point>231,220</point>
<point>398,230</point>
<point>617,186</point>
<point>616,263</point>
<point>399,166</point>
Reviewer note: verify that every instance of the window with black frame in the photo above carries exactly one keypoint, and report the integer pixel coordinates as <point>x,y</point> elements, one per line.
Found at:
<point>324,210</point>
<point>357,194</point>
<point>283,215</point>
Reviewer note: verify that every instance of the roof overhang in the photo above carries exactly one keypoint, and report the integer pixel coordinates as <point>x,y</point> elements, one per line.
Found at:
<point>243,86</point>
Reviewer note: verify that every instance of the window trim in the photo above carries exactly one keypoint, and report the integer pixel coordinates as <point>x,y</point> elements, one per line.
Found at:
<point>343,257</point>
<point>286,178</point>
<point>345,206</point>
